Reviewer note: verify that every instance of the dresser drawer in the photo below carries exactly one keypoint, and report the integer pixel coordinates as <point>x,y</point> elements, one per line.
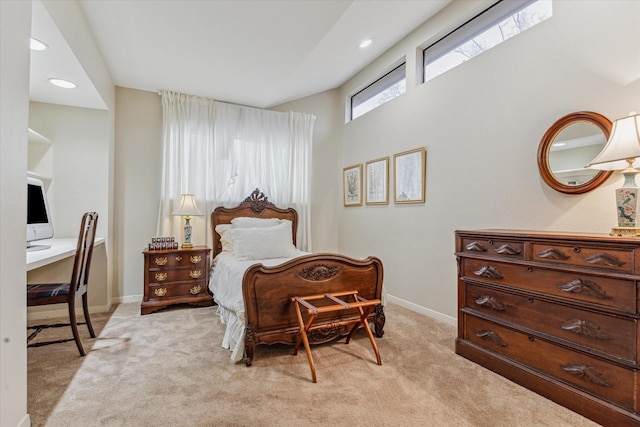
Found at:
<point>615,336</point>
<point>175,290</point>
<point>183,274</point>
<point>504,248</point>
<point>173,260</point>
<point>600,378</point>
<point>585,256</point>
<point>605,291</point>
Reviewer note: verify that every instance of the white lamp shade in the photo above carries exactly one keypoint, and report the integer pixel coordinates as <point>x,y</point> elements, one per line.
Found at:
<point>188,206</point>
<point>623,143</point>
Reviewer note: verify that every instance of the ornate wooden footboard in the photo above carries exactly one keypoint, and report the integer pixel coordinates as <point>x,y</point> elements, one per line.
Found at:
<point>267,291</point>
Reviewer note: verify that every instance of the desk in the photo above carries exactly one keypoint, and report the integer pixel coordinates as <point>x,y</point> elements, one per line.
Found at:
<point>60,249</point>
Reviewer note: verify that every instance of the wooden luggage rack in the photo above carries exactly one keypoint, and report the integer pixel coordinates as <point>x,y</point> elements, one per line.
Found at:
<point>365,307</point>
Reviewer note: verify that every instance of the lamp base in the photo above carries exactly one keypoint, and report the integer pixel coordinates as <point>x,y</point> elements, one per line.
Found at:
<point>187,245</point>
<point>625,231</point>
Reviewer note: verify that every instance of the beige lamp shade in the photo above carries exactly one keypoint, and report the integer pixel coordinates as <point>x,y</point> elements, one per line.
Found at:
<point>623,144</point>
<point>188,206</point>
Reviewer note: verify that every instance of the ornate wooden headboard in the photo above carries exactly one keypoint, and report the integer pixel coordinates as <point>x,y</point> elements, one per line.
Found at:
<point>255,206</point>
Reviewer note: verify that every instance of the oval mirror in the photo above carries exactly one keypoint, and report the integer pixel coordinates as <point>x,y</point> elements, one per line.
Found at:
<point>567,146</point>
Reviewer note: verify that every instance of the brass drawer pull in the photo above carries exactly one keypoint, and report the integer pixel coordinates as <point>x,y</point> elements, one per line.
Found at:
<point>195,259</point>
<point>160,292</point>
<point>161,277</point>
<point>160,261</point>
<point>178,258</point>
<point>194,274</point>
<point>195,290</point>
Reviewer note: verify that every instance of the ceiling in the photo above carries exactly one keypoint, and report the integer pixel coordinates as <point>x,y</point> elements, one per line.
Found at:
<point>257,53</point>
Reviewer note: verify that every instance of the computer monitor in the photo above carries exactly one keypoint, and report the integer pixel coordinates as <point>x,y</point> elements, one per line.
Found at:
<point>39,224</point>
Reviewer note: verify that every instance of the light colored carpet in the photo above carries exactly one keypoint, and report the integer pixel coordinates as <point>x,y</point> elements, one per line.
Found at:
<point>168,369</point>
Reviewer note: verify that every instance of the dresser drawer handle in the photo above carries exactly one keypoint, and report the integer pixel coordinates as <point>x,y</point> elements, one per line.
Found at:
<point>160,277</point>
<point>178,258</point>
<point>195,290</point>
<point>160,292</point>
<point>194,274</point>
<point>488,271</point>
<point>490,335</point>
<point>160,261</point>
<point>195,259</point>
<point>507,249</point>
<point>606,259</point>
<point>552,253</point>
<point>492,302</point>
<point>588,373</point>
<point>587,287</point>
<point>586,328</point>
<point>475,247</point>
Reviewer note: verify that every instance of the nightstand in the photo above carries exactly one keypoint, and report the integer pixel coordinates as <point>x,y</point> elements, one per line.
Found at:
<point>176,276</point>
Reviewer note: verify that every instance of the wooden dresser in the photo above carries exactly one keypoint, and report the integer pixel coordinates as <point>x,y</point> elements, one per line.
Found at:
<point>176,276</point>
<point>556,313</point>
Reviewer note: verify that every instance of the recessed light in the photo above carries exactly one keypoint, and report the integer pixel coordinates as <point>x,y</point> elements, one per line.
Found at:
<point>63,83</point>
<point>36,44</point>
<point>365,43</point>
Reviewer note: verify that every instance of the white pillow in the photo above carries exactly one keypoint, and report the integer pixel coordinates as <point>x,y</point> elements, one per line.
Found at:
<point>225,237</point>
<point>249,222</point>
<point>264,243</point>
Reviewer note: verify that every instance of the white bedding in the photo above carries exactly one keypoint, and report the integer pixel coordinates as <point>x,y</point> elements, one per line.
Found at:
<point>226,285</point>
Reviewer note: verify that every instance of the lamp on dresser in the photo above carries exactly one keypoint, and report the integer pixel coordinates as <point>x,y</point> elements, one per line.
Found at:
<point>619,153</point>
<point>187,208</point>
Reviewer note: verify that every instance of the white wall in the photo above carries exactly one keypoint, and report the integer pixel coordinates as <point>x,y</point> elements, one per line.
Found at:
<point>481,124</point>
<point>15,28</point>
<point>138,177</point>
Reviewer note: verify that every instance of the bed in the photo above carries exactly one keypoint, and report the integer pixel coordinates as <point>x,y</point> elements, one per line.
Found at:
<point>254,294</point>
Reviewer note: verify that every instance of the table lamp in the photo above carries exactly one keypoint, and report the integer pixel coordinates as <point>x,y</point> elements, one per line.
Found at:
<point>187,208</point>
<point>619,153</point>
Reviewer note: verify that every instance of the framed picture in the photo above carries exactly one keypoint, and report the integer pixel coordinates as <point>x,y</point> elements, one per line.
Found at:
<point>377,182</point>
<point>410,172</point>
<point>352,177</point>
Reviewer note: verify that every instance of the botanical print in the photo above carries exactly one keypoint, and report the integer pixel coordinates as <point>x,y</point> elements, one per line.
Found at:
<point>352,185</point>
<point>409,176</point>
<point>378,181</point>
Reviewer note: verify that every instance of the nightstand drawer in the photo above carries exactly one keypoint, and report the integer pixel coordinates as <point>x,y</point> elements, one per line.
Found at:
<point>173,290</point>
<point>183,274</point>
<point>174,260</point>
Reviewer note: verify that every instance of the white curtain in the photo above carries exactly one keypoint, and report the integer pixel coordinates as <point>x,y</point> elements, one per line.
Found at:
<point>221,152</point>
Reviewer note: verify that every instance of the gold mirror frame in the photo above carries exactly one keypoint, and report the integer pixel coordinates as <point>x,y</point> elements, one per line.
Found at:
<point>547,174</point>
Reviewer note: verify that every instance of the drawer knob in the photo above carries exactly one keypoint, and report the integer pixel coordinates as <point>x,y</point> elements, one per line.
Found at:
<point>195,259</point>
<point>161,260</point>
<point>178,258</point>
<point>195,290</point>
<point>587,287</point>
<point>488,271</point>
<point>588,373</point>
<point>160,292</point>
<point>552,253</point>
<point>492,336</point>
<point>492,302</point>
<point>160,277</point>
<point>194,274</point>
<point>586,328</point>
<point>605,259</point>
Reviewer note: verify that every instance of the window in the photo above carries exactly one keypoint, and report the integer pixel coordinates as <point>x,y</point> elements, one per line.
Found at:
<point>496,24</point>
<point>387,87</point>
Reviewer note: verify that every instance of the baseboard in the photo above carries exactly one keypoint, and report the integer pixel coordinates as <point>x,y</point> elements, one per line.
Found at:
<point>423,310</point>
<point>25,422</point>
<point>126,299</point>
